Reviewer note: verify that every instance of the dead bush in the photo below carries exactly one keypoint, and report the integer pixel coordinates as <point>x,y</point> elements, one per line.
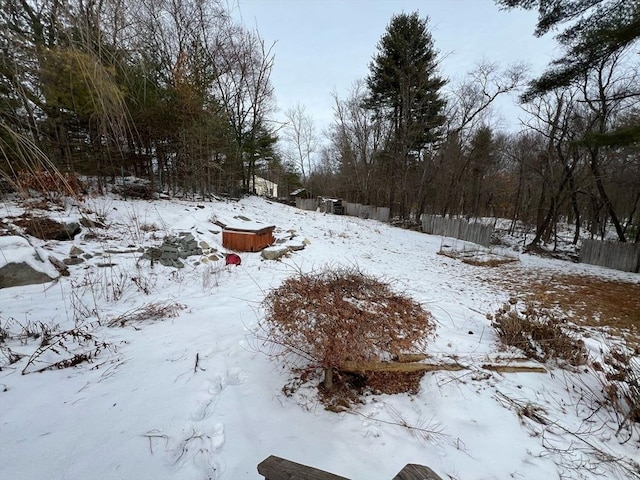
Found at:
<point>50,184</point>
<point>620,381</point>
<point>142,192</point>
<point>341,316</point>
<point>538,333</point>
<point>65,349</point>
<point>149,312</point>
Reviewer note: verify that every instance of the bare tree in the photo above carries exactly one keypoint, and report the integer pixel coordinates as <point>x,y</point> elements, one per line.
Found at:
<point>469,102</point>
<point>357,138</point>
<point>244,89</point>
<point>609,90</point>
<point>553,117</point>
<point>301,139</point>
<point>468,112</point>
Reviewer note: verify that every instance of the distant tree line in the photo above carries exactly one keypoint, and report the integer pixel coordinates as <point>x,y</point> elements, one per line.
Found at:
<point>172,91</point>
<point>403,140</point>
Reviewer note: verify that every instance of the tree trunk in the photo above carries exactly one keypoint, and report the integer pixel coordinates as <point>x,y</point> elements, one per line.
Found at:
<point>595,169</point>
<point>551,212</point>
<point>328,379</point>
<point>574,202</point>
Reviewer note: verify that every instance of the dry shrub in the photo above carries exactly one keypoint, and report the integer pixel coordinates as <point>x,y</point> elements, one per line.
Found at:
<point>538,333</point>
<point>342,316</point>
<point>65,349</point>
<point>148,312</point>
<point>621,382</point>
<point>142,192</point>
<point>394,382</point>
<point>50,184</point>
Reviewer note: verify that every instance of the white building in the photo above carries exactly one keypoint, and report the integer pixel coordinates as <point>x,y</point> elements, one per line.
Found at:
<point>263,187</point>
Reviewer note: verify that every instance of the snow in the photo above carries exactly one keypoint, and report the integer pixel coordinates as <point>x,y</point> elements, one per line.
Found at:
<point>14,249</point>
<point>195,396</point>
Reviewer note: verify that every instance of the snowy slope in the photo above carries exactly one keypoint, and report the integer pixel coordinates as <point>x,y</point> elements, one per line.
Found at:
<point>193,397</point>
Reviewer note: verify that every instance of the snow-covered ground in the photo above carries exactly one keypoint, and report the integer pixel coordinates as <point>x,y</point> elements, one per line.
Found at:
<point>192,396</point>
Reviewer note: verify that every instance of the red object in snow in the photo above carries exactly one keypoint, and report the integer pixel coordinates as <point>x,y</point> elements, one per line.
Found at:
<point>233,259</point>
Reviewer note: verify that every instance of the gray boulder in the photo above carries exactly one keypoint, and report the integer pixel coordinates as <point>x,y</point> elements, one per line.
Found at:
<point>21,264</point>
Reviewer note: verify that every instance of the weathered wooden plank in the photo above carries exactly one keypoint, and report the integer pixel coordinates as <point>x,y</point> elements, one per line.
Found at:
<point>405,367</point>
<point>416,472</point>
<point>363,367</point>
<point>515,368</point>
<point>276,468</point>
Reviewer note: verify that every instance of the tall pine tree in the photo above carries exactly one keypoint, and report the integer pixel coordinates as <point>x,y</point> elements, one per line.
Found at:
<point>404,88</point>
<point>403,81</point>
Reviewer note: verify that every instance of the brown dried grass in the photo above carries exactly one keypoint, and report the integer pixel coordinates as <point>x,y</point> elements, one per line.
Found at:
<point>149,312</point>
<point>52,184</point>
<point>585,300</point>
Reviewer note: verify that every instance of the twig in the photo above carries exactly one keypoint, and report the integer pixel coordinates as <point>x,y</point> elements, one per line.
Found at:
<point>421,432</point>
<point>152,434</point>
<point>628,465</point>
<point>197,365</point>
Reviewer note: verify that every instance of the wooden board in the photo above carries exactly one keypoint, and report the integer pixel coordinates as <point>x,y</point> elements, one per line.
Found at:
<point>364,367</point>
<point>416,472</point>
<point>276,468</point>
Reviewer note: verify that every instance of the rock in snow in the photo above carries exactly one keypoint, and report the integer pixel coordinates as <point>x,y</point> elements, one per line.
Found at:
<point>26,266</point>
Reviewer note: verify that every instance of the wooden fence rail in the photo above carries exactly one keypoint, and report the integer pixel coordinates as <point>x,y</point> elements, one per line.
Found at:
<point>276,468</point>
<point>457,228</point>
<point>617,255</point>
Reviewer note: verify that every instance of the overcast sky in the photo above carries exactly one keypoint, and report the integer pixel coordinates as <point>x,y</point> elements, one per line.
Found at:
<point>323,46</point>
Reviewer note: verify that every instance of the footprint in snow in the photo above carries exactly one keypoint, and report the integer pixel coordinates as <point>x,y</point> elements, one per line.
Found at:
<point>213,388</point>
<point>207,399</point>
<point>236,376</point>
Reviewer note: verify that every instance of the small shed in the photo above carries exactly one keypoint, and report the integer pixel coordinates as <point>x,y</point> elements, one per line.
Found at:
<point>332,205</point>
<point>247,238</point>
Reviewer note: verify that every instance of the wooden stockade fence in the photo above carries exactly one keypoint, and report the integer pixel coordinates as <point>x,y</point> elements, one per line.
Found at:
<point>617,255</point>
<point>306,203</point>
<point>276,468</point>
<point>367,211</point>
<point>457,228</point>
<point>352,209</point>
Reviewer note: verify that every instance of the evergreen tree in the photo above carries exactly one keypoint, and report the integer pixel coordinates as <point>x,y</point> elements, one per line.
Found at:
<point>404,83</point>
<point>596,30</point>
<point>404,89</point>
